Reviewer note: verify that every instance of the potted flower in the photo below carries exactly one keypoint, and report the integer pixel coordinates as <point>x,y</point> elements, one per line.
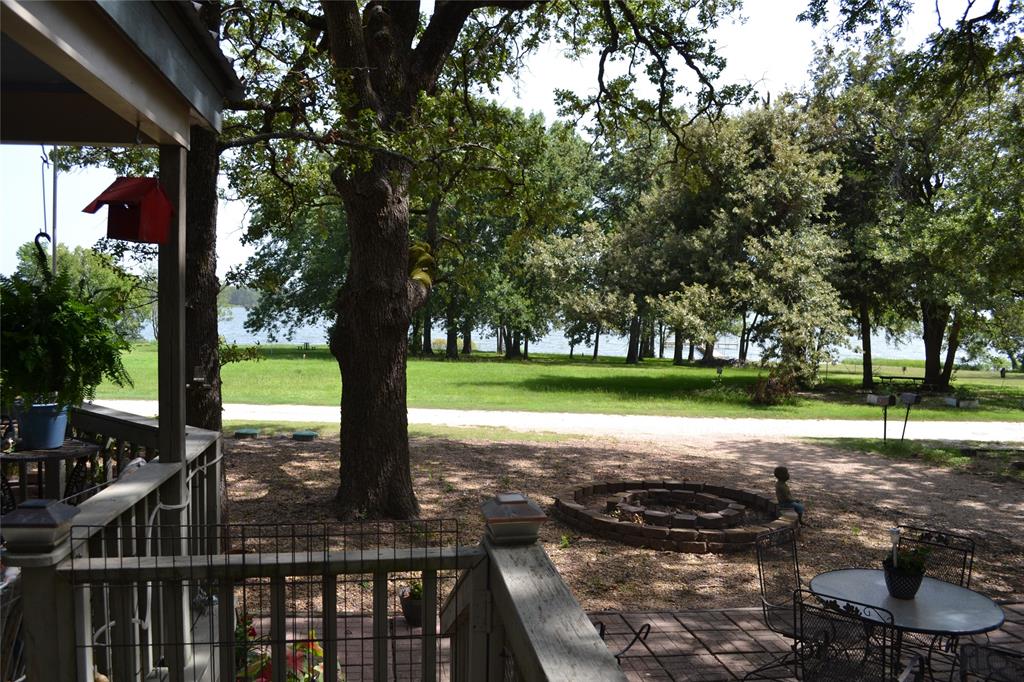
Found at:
<point>411,599</point>
<point>58,343</point>
<point>904,569</point>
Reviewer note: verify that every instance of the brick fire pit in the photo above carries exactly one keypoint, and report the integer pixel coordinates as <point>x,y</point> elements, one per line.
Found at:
<point>680,516</point>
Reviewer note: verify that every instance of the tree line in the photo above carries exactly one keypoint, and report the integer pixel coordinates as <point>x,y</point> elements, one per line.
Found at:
<point>883,196</point>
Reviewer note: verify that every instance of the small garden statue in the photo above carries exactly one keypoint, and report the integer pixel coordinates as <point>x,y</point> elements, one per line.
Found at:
<point>783,494</point>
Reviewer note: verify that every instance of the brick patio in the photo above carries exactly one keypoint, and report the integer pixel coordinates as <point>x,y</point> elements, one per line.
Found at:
<point>715,646</point>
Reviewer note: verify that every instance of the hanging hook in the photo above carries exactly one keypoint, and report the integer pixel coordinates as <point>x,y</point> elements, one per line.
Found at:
<point>42,178</point>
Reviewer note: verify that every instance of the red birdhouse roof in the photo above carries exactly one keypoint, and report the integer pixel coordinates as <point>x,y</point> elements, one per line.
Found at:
<point>131,191</point>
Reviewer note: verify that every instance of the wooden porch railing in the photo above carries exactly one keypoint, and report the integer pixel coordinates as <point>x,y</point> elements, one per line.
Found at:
<point>141,591</point>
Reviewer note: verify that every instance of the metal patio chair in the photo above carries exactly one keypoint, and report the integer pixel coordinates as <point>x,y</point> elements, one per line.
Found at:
<point>950,559</point>
<point>778,572</point>
<point>990,663</point>
<point>843,641</point>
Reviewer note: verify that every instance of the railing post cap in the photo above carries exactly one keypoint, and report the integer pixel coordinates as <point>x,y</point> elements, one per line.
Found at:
<point>37,525</point>
<point>512,519</point>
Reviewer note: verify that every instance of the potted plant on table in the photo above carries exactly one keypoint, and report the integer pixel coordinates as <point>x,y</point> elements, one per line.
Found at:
<point>411,598</point>
<point>58,343</point>
<point>904,569</point>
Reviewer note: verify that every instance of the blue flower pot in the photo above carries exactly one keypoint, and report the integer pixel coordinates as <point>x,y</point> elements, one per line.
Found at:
<point>42,427</point>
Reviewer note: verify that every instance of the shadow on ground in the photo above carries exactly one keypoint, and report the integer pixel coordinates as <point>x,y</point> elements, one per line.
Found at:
<point>852,498</point>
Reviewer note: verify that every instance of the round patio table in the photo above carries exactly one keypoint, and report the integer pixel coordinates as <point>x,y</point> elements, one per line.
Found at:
<point>939,608</point>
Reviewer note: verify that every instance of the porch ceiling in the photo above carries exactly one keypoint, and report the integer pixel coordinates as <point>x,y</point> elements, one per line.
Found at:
<point>108,73</point>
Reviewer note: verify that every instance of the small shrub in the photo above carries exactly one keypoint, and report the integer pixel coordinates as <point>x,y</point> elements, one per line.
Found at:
<point>773,390</point>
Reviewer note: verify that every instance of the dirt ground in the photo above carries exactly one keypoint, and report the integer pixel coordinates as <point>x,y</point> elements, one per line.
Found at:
<point>852,500</point>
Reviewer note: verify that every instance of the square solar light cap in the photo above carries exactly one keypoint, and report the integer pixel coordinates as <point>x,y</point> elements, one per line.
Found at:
<point>512,519</point>
<point>37,525</point>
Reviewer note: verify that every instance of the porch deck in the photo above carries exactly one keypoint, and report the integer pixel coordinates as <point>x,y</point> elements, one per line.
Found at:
<point>723,645</point>
<point>684,646</point>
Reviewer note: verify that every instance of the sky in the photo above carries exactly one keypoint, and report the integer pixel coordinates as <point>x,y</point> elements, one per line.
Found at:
<point>769,49</point>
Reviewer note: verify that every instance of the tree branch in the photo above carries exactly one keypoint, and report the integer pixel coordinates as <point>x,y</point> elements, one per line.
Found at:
<point>345,31</point>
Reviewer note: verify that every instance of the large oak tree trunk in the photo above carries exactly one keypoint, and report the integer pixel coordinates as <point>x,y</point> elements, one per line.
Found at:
<point>867,371</point>
<point>202,353</point>
<point>933,319</point>
<point>597,341</point>
<point>677,351</point>
<point>374,308</point>
<point>203,399</point>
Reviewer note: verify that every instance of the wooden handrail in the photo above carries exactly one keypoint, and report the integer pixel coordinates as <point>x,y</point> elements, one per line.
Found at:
<point>548,632</point>
<point>110,422</point>
<point>270,564</point>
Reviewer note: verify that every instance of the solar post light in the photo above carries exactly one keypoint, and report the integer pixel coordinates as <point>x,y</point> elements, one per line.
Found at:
<point>38,526</point>
<point>512,519</point>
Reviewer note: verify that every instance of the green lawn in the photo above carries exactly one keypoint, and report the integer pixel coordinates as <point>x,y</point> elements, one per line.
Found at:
<point>555,384</point>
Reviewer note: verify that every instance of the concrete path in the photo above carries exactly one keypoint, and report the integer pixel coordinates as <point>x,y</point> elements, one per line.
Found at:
<point>629,425</point>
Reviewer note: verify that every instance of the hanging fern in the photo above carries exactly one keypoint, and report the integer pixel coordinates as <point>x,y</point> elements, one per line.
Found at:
<point>57,343</point>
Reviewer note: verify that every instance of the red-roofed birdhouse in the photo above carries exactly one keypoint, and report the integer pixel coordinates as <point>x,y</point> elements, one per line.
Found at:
<point>139,210</point>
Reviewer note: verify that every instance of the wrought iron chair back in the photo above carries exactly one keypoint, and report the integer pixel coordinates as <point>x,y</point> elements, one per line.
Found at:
<point>990,663</point>
<point>950,556</point>
<point>843,640</point>
<point>778,570</point>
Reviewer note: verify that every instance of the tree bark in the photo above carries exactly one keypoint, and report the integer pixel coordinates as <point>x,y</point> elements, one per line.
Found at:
<point>451,349</point>
<point>951,347</point>
<point>633,351</point>
<point>427,348</point>
<point>526,348</point>
<point>597,341</point>
<point>741,355</point>
<point>202,341</point>
<point>689,356</point>
<point>709,352</point>
<point>867,371</point>
<point>499,334</point>
<point>661,340</point>
<point>677,351</point>
<point>934,317</point>
<point>467,336</point>
<point>415,334</point>
<point>202,358</point>
<point>374,308</point>
<point>513,345</point>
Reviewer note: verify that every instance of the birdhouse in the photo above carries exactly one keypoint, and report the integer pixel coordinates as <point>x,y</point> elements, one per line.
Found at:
<point>139,210</point>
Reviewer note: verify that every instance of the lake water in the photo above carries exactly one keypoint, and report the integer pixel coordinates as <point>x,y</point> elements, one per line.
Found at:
<point>233,330</point>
